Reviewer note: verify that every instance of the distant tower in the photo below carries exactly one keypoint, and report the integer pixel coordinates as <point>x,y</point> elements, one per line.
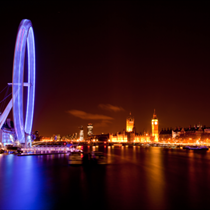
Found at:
<point>129,123</point>
<point>155,127</point>
<point>89,129</point>
<point>81,133</point>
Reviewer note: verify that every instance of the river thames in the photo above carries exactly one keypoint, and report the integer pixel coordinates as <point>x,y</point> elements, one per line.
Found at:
<point>133,178</point>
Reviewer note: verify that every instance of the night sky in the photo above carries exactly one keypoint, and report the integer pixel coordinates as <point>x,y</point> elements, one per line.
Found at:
<point>98,61</point>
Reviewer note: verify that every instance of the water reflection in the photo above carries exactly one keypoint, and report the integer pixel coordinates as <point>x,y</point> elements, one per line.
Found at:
<point>135,178</point>
<point>21,184</point>
<point>109,155</point>
<point>134,153</point>
<point>155,179</point>
<point>122,151</point>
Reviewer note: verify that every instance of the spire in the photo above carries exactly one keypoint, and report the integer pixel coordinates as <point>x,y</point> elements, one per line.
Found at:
<point>154,115</point>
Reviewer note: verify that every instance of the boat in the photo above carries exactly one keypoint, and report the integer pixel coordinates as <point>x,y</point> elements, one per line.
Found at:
<point>51,144</point>
<point>98,157</point>
<point>12,148</point>
<point>2,150</point>
<point>119,145</point>
<point>75,158</point>
<point>196,147</point>
<point>76,148</point>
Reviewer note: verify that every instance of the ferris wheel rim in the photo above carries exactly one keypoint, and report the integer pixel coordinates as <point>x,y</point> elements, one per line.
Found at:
<point>25,37</point>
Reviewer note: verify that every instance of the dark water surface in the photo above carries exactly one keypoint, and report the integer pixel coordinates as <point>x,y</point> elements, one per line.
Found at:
<point>134,178</point>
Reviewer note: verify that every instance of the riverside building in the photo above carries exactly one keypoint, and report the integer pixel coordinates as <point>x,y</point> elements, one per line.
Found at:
<point>7,133</point>
<point>81,133</point>
<point>89,130</point>
<point>129,134</point>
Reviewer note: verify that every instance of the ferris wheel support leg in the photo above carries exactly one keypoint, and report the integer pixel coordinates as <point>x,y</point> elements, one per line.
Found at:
<point>4,115</point>
<point>6,111</point>
<point>27,140</point>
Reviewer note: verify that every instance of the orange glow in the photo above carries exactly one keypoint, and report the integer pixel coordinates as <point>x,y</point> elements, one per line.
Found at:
<point>120,145</point>
<point>155,129</point>
<point>129,124</point>
<point>46,139</point>
<point>118,138</point>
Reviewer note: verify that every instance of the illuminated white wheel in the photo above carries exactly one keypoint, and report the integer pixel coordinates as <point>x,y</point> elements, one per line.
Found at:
<point>25,36</point>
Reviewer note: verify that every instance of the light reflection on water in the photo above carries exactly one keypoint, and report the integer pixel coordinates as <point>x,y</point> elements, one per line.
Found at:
<point>20,183</point>
<point>134,178</point>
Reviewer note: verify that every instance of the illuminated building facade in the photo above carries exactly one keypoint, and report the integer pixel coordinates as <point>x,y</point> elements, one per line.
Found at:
<point>7,133</point>
<point>129,135</point>
<point>129,123</point>
<point>192,134</point>
<point>165,135</point>
<point>89,130</point>
<point>138,138</point>
<point>81,133</point>
<point>101,137</point>
<point>72,136</point>
<point>154,122</point>
<point>198,134</point>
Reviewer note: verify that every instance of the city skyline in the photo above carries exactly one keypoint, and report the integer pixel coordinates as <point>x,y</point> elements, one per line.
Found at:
<point>97,62</point>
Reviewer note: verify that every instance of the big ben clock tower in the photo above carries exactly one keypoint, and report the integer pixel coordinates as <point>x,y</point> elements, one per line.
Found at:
<point>155,127</point>
<point>129,123</point>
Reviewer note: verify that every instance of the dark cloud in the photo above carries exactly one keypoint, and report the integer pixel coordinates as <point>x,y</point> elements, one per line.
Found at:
<point>88,116</point>
<point>110,107</point>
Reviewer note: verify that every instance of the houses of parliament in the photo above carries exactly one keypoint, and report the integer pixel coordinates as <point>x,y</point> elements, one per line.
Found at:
<point>130,135</point>
<point>192,134</point>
